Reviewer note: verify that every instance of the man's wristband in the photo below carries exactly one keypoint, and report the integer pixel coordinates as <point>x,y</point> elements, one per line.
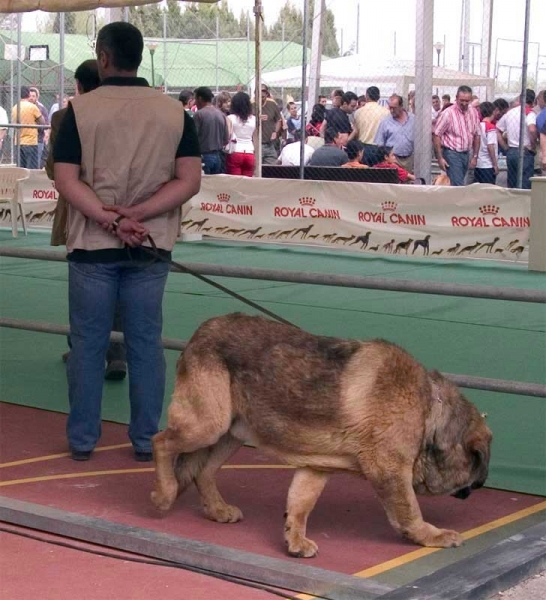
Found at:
<point>117,221</point>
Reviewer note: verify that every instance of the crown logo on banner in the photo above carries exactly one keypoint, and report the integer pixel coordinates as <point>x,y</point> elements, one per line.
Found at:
<point>489,209</point>
<point>389,206</point>
<point>307,201</point>
<point>223,197</point>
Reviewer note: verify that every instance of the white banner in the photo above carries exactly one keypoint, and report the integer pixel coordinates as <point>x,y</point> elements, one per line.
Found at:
<point>478,221</point>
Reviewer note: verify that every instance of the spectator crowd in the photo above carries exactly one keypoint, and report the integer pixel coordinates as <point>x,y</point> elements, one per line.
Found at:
<point>470,138</point>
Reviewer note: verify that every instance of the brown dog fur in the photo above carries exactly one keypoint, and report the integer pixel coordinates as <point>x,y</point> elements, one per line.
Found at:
<point>323,405</point>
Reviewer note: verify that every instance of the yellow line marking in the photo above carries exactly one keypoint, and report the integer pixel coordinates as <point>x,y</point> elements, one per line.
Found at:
<point>118,472</point>
<point>27,461</point>
<point>467,535</point>
<point>416,554</point>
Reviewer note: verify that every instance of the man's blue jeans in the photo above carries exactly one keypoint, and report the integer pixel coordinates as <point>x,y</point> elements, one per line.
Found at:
<point>94,289</point>
<point>212,162</point>
<point>512,161</point>
<point>458,165</point>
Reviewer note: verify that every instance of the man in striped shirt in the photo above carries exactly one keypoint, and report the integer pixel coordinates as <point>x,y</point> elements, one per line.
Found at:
<point>456,136</point>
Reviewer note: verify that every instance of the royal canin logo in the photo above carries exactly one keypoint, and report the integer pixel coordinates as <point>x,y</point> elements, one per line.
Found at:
<point>307,201</point>
<point>223,197</point>
<point>489,209</point>
<point>389,206</point>
<point>223,206</point>
<point>306,210</point>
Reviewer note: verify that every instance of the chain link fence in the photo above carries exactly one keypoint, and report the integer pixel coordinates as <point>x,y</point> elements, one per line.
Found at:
<point>191,46</point>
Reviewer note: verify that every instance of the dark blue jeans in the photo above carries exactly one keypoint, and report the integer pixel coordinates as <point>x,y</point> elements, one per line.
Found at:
<point>458,165</point>
<point>212,162</point>
<point>94,289</point>
<point>512,160</point>
<point>29,157</point>
<point>485,175</point>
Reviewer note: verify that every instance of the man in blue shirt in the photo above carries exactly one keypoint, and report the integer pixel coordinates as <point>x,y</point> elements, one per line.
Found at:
<point>541,103</point>
<point>397,132</point>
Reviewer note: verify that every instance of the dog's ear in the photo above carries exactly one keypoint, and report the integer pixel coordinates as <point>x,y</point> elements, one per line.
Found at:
<point>478,448</point>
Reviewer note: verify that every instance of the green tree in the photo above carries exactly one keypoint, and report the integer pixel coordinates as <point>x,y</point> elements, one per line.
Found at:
<point>69,23</point>
<point>148,18</point>
<point>292,19</point>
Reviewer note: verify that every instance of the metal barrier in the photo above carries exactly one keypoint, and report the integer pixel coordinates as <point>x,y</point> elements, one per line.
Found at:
<point>329,279</point>
<point>466,381</point>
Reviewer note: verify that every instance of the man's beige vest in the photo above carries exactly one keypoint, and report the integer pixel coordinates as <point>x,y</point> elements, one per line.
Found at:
<point>129,138</point>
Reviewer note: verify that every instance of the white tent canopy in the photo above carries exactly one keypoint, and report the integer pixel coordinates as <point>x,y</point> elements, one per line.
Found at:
<point>13,6</point>
<point>356,73</point>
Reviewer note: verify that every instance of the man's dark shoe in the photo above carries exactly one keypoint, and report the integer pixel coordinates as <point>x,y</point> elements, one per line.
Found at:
<point>143,456</point>
<point>116,370</point>
<point>81,455</point>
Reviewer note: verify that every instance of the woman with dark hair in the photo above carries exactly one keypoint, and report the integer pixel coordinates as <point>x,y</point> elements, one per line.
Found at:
<point>313,127</point>
<point>242,124</point>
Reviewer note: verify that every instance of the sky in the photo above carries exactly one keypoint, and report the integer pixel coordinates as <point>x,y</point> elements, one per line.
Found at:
<point>381,23</point>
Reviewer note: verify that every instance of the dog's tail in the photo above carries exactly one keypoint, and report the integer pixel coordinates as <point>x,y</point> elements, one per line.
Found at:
<point>188,466</point>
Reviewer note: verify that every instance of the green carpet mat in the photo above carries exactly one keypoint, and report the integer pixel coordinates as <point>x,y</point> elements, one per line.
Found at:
<point>487,338</point>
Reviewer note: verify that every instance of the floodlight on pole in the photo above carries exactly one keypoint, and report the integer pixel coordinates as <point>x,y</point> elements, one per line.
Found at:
<point>152,47</point>
<point>438,46</point>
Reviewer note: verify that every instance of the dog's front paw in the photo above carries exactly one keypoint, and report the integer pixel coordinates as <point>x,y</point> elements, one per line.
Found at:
<point>223,513</point>
<point>302,548</point>
<point>164,499</point>
<point>445,538</point>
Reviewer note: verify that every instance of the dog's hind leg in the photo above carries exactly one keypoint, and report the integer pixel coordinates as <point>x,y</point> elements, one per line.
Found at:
<point>199,415</point>
<point>214,506</point>
<point>305,489</point>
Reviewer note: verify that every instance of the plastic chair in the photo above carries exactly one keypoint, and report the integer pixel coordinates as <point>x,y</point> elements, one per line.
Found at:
<point>11,193</point>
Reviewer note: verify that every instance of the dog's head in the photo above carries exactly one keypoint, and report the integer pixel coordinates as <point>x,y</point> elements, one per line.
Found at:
<point>455,457</point>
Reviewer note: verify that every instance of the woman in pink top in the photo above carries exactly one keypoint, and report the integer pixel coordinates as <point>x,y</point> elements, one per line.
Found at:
<point>242,125</point>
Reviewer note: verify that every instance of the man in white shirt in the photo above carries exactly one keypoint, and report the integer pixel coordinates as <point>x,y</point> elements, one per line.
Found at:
<point>291,153</point>
<point>509,135</point>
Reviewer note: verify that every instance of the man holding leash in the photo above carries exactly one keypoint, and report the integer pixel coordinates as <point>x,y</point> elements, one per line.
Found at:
<point>126,159</point>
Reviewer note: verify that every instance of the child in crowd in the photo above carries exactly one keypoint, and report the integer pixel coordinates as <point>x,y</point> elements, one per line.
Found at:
<point>386,160</point>
<point>355,152</point>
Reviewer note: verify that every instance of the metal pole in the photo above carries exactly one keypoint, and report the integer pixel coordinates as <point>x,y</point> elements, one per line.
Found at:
<point>19,66</point>
<point>487,30</point>
<point>282,58</point>
<point>258,16</point>
<point>394,52</point>
<point>303,86</point>
<point>248,52</point>
<point>522,121</point>
<point>466,48</point>
<point>424,60</point>
<point>357,28</point>
<point>316,52</point>
<point>217,50</point>
<point>536,296</point>
<point>12,99</point>
<point>165,84</point>
<point>61,59</point>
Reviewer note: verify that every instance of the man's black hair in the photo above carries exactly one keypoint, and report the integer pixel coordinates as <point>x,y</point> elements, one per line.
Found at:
<point>464,89</point>
<point>339,93</point>
<point>124,43</point>
<point>185,96</point>
<point>435,97</point>
<point>87,75</point>
<point>486,109</point>
<point>348,97</point>
<point>446,97</point>
<point>530,97</point>
<point>25,92</point>
<point>501,104</point>
<point>330,135</point>
<point>204,93</point>
<point>373,93</point>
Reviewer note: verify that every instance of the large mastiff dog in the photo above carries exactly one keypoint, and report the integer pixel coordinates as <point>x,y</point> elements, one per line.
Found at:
<point>324,405</point>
